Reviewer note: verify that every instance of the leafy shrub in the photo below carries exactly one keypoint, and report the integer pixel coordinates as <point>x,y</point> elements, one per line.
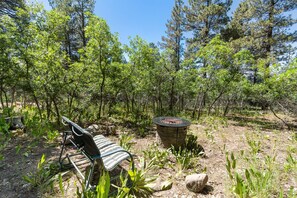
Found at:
<point>52,136</point>
<point>35,125</point>
<point>4,127</point>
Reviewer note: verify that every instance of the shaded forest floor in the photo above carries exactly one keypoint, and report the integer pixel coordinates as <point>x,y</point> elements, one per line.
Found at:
<point>238,134</point>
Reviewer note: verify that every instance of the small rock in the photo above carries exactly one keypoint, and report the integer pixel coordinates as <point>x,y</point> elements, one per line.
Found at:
<point>93,128</point>
<point>196,182</point>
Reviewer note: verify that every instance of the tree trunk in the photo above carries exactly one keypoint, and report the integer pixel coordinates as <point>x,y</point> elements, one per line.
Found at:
<point>2,103</point>
<point>12,96</point>
<point>172,101</point>
<point>195,106</point>
<point>56,109</point>
<point>37,104</point>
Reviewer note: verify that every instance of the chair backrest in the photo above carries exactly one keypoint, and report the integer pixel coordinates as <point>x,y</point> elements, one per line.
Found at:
<point>83,138</point>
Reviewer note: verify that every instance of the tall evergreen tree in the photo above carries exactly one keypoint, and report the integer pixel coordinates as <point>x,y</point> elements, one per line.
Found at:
<point>264,29</point>
<point>204,19</point>
<point>173,43</point>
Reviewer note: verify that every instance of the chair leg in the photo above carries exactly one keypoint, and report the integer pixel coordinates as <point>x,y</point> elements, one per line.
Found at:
<point>62,149</point>
<point>90,176</point>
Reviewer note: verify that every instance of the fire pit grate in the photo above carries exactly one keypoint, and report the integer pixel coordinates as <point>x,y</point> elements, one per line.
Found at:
<point>171,131</point>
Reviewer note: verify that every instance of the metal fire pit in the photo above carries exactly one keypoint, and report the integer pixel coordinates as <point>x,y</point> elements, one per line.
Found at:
<point>171,131</point>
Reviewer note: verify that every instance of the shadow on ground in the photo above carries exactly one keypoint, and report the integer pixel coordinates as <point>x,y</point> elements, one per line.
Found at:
<point>261,123</point>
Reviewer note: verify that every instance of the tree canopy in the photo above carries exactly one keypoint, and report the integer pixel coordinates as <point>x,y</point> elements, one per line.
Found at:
<point>67,61</point>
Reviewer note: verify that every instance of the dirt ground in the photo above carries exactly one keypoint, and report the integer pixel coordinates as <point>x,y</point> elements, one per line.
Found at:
<point>21,155</point>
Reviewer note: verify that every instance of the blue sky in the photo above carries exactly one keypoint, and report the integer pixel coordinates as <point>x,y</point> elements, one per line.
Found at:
<point>146,18</point>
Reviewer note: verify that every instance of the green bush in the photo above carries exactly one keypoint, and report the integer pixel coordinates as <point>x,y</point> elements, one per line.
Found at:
<point>4,127</point>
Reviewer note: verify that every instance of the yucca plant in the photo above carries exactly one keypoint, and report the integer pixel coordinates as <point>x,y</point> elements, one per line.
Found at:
<point>183,158</point>
<point>156,157</point>
<point>135,185</point>
<point>43,177</point>
<point>102,188</point>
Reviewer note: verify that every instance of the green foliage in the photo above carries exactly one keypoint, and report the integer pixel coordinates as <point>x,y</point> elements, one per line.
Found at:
<point>291,163</point>
<point>4,127</point>
<point>135,185</point>
<point>102,188</point>
<point>38,126</point>
<point>51,136</point>
<point>2,147</point>
<point>42,178</point>
<point>183,157</point>
<point>155,157</point>
<point>258,178</point>
<point>126,141</point>
<point>212,124</point>
<point>61,185</point>
<point>255,145</point>
<point>191,145</point>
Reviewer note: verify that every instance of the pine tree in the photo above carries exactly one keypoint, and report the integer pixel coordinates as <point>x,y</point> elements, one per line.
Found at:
<point>173,43</point>
<point>204,19</point>
<point>263,26</point>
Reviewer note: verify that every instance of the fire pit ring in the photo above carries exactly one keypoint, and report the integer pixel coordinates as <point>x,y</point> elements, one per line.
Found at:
<point>171,131</point>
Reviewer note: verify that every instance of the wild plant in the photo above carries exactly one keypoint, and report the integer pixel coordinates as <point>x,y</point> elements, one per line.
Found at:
<point>4,127</point>
<point>102,188</point>
<point>61,185</point>
<point>43,177</point>
<point>136,184</point>
<point>183,157</point>
<point>126,141</point>
<point>257,180</point>
<point>254,143</point>
<point>36,126</point>
<point>52,136</point>
<point>156,157</point>
<point>291,163</point>
<point>2,147</point>
<point>212,125</point>
<point>191,145</point>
